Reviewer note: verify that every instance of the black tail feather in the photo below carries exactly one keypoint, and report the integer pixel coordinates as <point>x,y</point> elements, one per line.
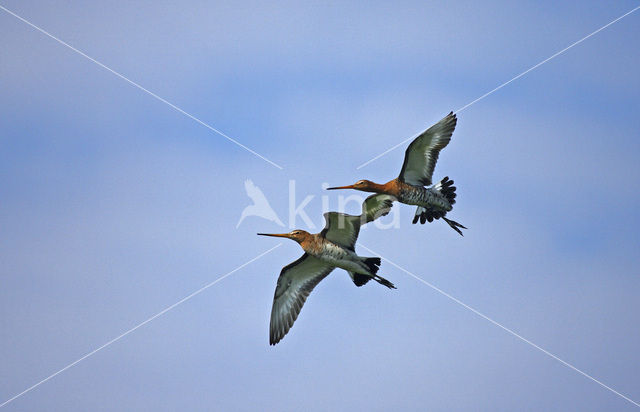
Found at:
<point>428,215</point>
<point>448,190</point>
<point>373,264</point>
<point>360,279</point>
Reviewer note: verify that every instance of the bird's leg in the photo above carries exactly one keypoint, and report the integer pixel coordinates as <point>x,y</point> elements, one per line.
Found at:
<point>383,281</point>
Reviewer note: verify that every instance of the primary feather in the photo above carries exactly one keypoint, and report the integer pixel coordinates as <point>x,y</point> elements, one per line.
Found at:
<point>422,154</point>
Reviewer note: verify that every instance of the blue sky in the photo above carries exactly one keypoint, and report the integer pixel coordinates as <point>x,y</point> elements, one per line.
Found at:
<point>115,206</point>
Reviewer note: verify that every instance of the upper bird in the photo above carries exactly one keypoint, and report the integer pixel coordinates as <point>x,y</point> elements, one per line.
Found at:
<point>417,170</point>
<point>333,247</point>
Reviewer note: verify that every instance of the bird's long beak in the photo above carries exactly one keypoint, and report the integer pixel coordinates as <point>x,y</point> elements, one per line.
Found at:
<point>340,187</point>
<point>274,234</point>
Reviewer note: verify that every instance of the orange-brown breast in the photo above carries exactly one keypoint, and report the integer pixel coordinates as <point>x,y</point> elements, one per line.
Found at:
<point>392,187</point>
<point>312,243</point>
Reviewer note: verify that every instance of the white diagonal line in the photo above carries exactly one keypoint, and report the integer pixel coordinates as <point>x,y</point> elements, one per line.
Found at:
<point>167,309</point>
<point>546,60</point>
<point>507,82</point>
<point>387,151</point>
<point>150,93</point>
<point>502,327</point>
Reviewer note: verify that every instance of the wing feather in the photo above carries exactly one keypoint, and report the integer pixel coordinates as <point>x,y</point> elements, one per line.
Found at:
<point>376,206</point>
<point>422,154</point>
<point>342,229</point>
<point>295,283</point>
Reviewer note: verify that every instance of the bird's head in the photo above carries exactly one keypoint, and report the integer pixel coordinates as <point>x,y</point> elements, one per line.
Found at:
<point>297,235</point>
<point>362,185</point>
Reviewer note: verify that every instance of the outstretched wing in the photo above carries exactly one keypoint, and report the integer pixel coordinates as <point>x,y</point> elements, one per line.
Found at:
<point>295,283</point>
<point>341,229</point>
<point>376,206</point>
<point>422,154</point>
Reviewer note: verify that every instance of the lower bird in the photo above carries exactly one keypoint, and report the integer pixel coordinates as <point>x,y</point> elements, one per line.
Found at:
<point>332,248</point>
<point>417,171</point>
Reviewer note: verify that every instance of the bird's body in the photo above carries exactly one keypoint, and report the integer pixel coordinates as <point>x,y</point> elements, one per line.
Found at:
<point>427,197</point>
<point>332,248</point>
<point>336,255</point>
<point>414,185</point>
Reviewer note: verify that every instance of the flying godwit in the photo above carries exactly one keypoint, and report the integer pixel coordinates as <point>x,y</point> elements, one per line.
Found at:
<point>417,170</point>
<point>332,248</point>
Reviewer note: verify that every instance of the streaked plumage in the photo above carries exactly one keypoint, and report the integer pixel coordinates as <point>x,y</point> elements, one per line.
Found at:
<point>417,171</point>
<point>324,251</point>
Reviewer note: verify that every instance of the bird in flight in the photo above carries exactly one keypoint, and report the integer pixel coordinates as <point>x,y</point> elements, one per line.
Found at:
<point>420,159</point>
<point>332,248</point>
